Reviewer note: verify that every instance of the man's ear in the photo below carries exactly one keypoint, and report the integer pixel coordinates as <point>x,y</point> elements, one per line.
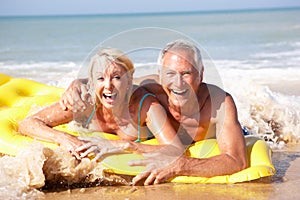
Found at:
<point>159,76</point>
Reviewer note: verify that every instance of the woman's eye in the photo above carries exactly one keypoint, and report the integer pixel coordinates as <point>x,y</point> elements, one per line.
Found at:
<point>117,77</point>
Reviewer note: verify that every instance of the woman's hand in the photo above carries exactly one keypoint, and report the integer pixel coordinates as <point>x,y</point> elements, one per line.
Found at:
<point>71,143</point>
<point>98,146</point>
<point>75,97</point>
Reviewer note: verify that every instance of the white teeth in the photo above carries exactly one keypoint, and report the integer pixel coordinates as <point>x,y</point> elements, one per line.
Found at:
<point>109,95</point>
<point>179,92</point>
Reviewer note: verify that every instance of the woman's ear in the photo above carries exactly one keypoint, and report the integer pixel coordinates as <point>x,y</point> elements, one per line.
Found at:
<point>130,81</point>
<point>201,73</point>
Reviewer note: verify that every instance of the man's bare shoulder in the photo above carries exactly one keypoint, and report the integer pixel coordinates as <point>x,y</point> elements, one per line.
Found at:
<point>213,91</point>
<point>138,93</point>
<point>212,88</point>
<point>152,78</point>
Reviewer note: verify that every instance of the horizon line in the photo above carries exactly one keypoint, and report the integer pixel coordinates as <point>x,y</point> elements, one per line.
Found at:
<point>158,13</point>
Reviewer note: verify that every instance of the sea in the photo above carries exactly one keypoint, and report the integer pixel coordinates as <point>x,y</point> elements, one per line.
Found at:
<point>252,54</point>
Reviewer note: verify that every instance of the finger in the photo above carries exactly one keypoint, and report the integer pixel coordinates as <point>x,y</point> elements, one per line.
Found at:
<point>98,156</point>
<point>139,177</point>
<point>152,155</point>
<point>93,139</point>
<point>78,96</point>
<point>84,92</point>
<point>88,151</point>
<point>80,105</point>
<point>89,99</point>
<point>114,150</point>
<point>83,147</point>
<point>105,152</point>
<point>85,139</point>
<point>150,179</point>
<point>62,105</point>
<point>77,156</point>
<point>160,178</point>
<point>76,99</point>
<point>69,101</point>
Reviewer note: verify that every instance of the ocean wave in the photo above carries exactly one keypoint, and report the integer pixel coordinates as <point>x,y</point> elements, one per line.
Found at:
<point>282,44</point>
<point>272,115</point>
<point>260,108</point>
<point>278,55</point>
<point>52,73</point>
<point>261,63</point>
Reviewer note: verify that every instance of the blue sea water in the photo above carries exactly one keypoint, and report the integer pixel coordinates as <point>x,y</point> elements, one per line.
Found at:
<point>251,50</point>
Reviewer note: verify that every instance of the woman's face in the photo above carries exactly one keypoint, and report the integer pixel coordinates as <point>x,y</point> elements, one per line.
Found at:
<point>111,84</point>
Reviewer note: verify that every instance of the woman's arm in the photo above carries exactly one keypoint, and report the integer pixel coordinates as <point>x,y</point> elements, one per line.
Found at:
<point>155,117</point>
<point>40,126</point>
<point>158,123</point>
<point>151,113</point>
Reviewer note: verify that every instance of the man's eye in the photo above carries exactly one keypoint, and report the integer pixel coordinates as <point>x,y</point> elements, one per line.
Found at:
<point>170,73</point>
<point>186,73</point>
<point>100,78</point>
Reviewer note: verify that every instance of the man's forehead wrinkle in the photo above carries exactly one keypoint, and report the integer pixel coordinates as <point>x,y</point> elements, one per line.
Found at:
<point>179,55</point>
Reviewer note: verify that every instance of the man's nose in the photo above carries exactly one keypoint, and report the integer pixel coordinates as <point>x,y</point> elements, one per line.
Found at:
<point>178,80</point>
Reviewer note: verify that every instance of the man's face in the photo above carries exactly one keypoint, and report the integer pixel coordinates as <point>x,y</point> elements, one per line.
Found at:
<point>179,78</point>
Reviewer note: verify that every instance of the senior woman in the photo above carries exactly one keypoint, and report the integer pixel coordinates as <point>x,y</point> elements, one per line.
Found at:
<point>118,107</point>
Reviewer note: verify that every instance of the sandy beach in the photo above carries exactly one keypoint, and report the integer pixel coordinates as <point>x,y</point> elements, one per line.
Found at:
<point>283,185</point>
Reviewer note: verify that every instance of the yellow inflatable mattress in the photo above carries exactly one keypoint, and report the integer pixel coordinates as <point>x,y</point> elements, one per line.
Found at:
<point>20,97</point>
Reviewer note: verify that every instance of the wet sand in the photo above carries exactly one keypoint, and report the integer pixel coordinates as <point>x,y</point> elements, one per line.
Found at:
<point>283,185</point>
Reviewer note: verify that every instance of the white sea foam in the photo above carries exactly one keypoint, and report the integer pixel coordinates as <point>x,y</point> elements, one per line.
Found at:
<point>23,175</point>
<point>52,73</point>
<point>268,113</point>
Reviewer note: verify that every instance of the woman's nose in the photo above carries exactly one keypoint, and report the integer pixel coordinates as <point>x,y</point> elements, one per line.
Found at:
<point>107,84</point>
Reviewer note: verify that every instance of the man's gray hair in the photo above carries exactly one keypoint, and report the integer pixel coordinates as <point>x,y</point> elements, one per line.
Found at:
<point>183,45</point>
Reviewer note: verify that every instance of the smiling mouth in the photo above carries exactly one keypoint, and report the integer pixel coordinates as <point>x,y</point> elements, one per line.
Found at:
<point>110,96</point>
<point>179,92</point>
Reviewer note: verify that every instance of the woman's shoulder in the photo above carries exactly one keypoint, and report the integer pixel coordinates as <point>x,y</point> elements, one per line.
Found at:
<point>84,117</point>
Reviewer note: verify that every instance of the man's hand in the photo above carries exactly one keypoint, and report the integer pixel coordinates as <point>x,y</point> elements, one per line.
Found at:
<point>75,96</point>
<point>160,166</point>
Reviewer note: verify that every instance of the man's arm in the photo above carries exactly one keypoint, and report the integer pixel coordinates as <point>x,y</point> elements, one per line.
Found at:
<point>152,78</point>
<point>78,92</point>
<point>231,143</point>
<point>232,156</point>
<point>75,96</point>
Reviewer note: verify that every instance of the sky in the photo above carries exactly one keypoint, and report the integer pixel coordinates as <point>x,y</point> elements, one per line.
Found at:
<point>73,7</point>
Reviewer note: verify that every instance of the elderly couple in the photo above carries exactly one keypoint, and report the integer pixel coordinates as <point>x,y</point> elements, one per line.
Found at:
<point>176,107</point>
